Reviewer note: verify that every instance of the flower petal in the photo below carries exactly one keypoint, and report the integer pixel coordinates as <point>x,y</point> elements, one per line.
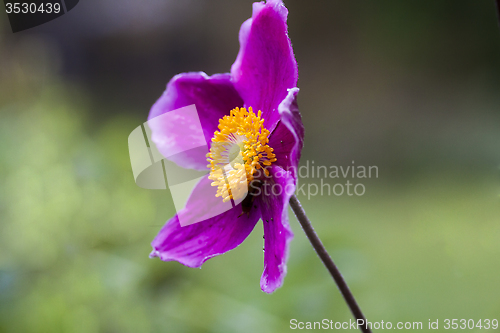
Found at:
<point>265,66</point>
<point>287,139</point>
<point>214,97</point>
<point>193,244</point>
<point>277,232</point>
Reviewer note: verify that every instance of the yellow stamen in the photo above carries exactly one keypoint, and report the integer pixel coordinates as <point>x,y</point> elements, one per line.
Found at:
<point>239,149</point>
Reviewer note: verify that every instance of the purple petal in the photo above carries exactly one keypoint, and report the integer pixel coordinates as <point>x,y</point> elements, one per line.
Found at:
<point>265,66</point>
<point>287,139</point>
<point>193,244</point>
<point>214,97</point>
<point>277,232</point>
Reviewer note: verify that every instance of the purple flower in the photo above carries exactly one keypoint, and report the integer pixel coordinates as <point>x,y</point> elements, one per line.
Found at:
<point>261,148</point>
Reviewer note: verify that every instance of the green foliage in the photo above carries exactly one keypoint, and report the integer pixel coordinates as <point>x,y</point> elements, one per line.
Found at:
<point>75,237</point>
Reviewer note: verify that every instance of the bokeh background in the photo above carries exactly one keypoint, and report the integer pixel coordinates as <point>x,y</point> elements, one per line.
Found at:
<point>409,86</point>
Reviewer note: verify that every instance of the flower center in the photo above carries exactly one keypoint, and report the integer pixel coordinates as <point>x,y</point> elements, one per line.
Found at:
<point>239,148</point>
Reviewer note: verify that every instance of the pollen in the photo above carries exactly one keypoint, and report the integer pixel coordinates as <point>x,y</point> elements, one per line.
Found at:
<point>239,153</point>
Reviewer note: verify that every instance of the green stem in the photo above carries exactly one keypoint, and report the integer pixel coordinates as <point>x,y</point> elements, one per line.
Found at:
<point>328,262</point>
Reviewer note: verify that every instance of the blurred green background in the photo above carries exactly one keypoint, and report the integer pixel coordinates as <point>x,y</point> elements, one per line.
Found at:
<point>410,87</point>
